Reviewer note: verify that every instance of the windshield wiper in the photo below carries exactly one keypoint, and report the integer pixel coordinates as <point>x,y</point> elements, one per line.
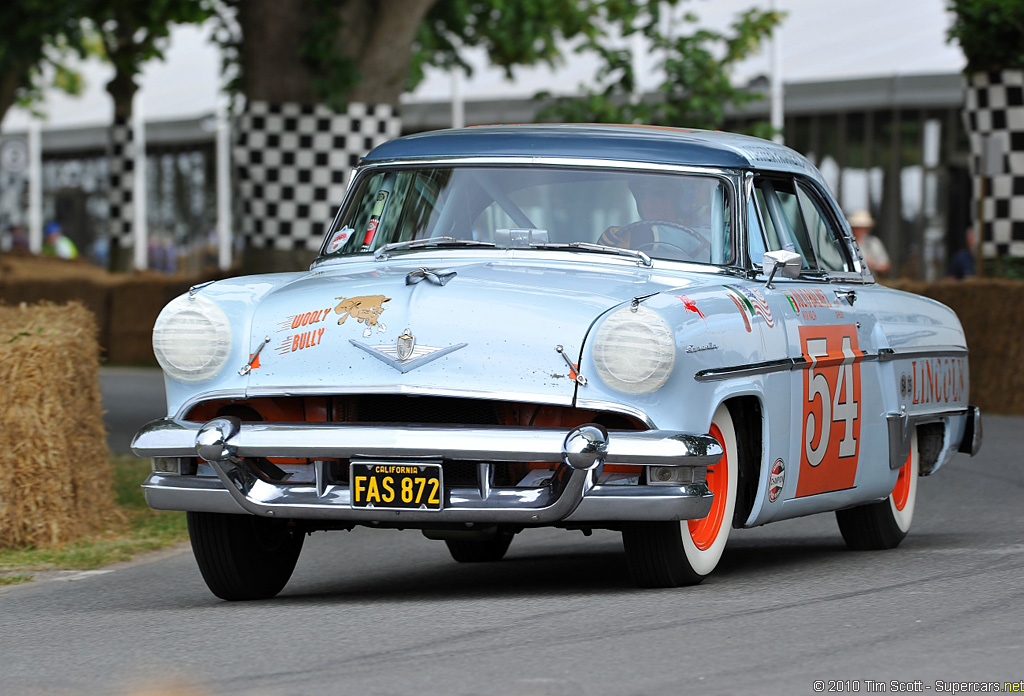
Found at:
<point>642,258</point>
<point>385,251</point>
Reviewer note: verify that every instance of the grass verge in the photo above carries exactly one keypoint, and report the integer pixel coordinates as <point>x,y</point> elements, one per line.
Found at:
<point>140,529</point>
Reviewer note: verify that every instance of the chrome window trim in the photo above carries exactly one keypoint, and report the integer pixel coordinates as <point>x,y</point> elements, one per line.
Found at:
<point>732,178</point>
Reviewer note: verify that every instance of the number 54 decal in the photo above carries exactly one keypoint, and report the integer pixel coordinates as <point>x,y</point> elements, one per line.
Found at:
<point>831,409</point>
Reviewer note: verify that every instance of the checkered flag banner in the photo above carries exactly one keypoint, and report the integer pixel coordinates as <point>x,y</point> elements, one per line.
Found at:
<point>994,117</point>
<point>121,184</point>
<point>293,161</point>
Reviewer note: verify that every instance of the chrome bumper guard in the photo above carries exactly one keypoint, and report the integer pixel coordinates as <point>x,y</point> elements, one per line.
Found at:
<point>225,443</point>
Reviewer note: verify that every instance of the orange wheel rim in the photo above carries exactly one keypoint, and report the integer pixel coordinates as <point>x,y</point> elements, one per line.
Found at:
<point>902,490</point>
<point>704,531</point>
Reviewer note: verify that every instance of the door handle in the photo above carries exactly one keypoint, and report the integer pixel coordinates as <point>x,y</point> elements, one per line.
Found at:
<point>848,295</point>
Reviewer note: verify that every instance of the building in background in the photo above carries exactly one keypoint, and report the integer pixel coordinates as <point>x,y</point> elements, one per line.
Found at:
<point>872,96</point>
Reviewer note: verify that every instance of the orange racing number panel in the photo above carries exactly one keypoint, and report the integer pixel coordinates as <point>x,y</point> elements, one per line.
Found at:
<point>831,409</point>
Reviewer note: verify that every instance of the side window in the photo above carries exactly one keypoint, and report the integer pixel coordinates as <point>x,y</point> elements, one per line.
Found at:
<point>755,234</point>
<point>825,240</point>
<point>795,219</point>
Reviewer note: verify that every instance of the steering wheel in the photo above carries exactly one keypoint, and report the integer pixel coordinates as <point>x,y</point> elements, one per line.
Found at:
<point>702,243</point>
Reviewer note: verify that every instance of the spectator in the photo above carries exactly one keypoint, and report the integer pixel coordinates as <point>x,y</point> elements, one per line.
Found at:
<point>962,264</point>
<point>871,247</point>
<point>57,244</point>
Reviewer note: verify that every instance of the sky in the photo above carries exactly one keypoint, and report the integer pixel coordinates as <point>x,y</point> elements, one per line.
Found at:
<point>822,40</point>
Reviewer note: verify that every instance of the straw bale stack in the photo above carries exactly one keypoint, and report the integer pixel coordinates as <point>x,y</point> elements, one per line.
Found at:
<point>55,477</point>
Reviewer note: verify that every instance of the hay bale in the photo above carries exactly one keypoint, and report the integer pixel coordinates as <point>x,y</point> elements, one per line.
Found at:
<point>55,475</point>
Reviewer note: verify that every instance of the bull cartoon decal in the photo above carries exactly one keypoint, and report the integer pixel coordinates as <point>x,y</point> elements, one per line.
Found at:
<point>365,308</point>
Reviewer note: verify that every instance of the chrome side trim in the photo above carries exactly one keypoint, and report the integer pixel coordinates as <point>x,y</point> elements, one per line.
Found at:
<point>612,407</point>
<point>786,364</point>
<point>761,368</point>
<point>887,354</point>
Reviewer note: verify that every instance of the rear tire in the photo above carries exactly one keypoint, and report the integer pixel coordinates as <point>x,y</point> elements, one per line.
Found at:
<point>480,551</point>
<point>671,554</point>
<point>882,525</point>
<point>242,556</point>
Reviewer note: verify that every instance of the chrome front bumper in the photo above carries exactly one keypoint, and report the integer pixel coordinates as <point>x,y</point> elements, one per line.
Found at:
<point>226,443</point>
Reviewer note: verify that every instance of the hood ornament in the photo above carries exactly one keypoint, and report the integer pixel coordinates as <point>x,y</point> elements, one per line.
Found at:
<point>434,276</point>
<point>405,355</point>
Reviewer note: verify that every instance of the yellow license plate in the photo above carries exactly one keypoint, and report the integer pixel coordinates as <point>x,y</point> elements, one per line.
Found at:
<point>406,486</point>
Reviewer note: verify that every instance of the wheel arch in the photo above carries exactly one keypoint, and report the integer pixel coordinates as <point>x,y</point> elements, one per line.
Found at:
<point>747,414</point>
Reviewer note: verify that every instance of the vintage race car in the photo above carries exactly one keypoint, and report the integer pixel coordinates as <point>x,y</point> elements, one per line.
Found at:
<point>669,333</point>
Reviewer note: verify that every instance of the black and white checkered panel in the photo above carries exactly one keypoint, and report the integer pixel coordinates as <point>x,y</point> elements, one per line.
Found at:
<point>995,109</point>
<point>121,185</point>
<point>293,162</point>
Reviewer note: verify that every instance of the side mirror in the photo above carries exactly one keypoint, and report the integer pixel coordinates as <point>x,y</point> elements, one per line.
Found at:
<point>789,262</point>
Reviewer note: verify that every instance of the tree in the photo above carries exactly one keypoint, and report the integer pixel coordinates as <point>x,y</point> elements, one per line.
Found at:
<point>696,65</point>
<point>132,33</point>
<point>37,35</point>
<point>321,81</point>
<point>990,32</point>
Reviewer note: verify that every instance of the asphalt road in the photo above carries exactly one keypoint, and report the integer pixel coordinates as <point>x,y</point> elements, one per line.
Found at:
<point>132,396</point>
<point>387,612</point>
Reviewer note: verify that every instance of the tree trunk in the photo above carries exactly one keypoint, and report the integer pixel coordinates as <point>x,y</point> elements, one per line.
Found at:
<point>293,154</point>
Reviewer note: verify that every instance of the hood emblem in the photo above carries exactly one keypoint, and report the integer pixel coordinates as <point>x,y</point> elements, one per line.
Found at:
<point>405,355</point>
<point>405,345</point>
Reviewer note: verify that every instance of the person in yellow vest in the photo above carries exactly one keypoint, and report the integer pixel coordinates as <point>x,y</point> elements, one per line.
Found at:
<point>56,244</point>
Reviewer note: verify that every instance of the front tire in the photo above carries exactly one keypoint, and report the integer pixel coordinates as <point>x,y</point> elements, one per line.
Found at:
<point>242,556</point>
<point>671,554</point>
<point>882,525</point>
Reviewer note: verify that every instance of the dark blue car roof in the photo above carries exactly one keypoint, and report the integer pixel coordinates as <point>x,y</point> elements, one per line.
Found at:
<point>644,144</point>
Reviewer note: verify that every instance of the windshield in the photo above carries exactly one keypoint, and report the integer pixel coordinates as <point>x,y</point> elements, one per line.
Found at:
<point>673,216</point>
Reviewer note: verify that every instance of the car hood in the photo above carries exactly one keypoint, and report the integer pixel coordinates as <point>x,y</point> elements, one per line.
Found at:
<point>491,328</point>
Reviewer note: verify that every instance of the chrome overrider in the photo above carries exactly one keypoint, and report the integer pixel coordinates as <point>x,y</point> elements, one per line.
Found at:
<point>225,443</point>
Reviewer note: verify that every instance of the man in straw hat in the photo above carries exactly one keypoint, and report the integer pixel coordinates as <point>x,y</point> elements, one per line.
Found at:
<point>871,246</point>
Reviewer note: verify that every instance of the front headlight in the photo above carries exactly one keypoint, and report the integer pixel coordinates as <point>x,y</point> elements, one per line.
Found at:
<point>192,339</point>
<point>634,352</point>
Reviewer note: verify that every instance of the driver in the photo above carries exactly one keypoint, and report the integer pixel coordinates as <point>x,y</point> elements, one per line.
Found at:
<point>672,200</point>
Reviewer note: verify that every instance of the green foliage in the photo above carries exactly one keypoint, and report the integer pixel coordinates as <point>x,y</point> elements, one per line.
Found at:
<point>332,73</point>
<point>695,64</point>
<point>133,33</point>
<point>990,32</point>
<point>512,32</point>
<point>37,37</point>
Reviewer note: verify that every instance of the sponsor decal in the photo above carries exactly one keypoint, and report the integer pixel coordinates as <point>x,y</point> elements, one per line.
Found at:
<point>831,409</point>
<point>743,310</point>
<point>809,299</point>
<point>339,239</point>
<point>371,227</point>
<point>936,381</point>
<point>752,302</point>
<point>297,321</point>
<point>691,306</point>
<point>366,309</point>
<point>776,480</point>
<point>300,341</point>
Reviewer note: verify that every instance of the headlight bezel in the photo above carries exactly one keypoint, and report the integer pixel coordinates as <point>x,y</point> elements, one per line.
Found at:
<point>192,339</point>
<point>644,332</point>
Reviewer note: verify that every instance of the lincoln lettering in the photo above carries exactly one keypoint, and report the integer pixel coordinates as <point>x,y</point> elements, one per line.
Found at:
<point>941,380</point>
